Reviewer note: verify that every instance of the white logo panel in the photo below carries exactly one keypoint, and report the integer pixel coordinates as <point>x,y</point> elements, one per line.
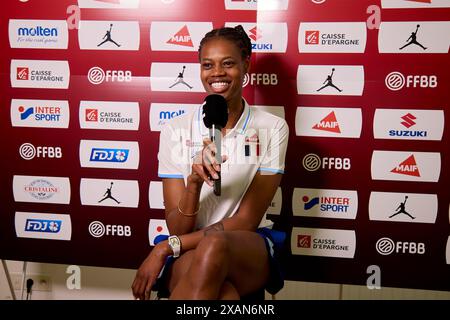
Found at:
<point>155,195</point>
<point>177,77</point>
<point>414,37</point>
<point>325,203</point>
<point>403,207</point>
<point>447,251</point>
<point>51,74</point>
<point>323,242</point>
<point>177,36</point>
<point>40,113</point>
<point>406,166</point>
<point>109,193</point>
<point>38,34</point>
<point>109,35</point>
<point>41,189</point>
<point>161,113</point>
<point>332,37</point>
<point>408,124</point>
<point>256,5</point>
<point>108,4</point>
<point>265,36</point>
<point>157,228</point>
<point>330,80</point>
<point>328,122</point>
<point>394,4</point>
<point>109,154</point>
<point>43,226</point>
<point>107,115</point>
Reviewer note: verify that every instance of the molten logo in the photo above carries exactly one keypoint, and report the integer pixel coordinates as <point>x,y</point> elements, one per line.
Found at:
<point>408,167</point>
<point>182,38</point>
<point>255,34</point>
<point>409,120</point>
<point>329,123</point>
<point>312,37</point>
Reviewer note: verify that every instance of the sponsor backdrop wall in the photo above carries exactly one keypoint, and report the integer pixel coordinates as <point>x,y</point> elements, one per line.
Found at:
<point>364,86</point>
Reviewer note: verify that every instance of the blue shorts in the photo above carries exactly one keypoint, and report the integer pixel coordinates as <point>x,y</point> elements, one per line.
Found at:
<point>272,238</point>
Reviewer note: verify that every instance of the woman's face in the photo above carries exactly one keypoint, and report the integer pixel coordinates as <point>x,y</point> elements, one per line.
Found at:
<point>222,69</point>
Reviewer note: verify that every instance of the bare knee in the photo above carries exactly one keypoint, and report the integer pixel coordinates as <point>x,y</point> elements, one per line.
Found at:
<point>212,253</point>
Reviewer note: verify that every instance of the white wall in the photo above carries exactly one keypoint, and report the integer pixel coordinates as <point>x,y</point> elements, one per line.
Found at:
<point>115,284</point>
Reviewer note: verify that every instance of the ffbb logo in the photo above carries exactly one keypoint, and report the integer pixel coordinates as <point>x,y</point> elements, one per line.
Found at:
<point>396,81</point>
<point>28,152</point>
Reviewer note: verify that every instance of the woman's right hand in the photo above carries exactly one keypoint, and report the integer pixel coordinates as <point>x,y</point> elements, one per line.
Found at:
<point>205,167</point>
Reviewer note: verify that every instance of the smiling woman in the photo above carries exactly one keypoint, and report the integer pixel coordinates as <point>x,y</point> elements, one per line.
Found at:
<point>221,247</point>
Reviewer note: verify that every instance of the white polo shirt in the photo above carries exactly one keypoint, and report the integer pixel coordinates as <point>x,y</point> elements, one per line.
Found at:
<point>258,142</point>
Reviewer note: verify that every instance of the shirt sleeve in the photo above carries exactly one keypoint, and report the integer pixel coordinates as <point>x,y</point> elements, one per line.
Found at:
<point>170,153</point>
<point>274,159</point>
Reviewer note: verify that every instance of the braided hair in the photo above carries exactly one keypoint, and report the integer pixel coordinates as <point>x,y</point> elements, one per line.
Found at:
<point>237,35</point>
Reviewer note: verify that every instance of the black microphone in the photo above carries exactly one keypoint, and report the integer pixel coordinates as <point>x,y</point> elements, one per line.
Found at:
<point>215,117</point>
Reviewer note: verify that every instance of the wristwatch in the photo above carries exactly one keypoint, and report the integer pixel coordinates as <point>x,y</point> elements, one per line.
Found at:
<point>175,245</point>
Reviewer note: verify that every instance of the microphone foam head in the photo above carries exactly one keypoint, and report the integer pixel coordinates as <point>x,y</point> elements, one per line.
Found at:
<point>215,111</point>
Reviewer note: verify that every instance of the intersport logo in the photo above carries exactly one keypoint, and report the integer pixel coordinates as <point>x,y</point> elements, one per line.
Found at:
<point>109,115</point>
<point>403,207</point>
<point>323,242</point>
<point>109,154</point>
<point>43,225</point>
<point>266,36</point>
<point>109,4</point>
<point>40,113</point>
<point>400,4</point>
<point>330,80</point>
<point>176,77</point>
<point>109,193</point>
<point>328,122</point>
<point>325,203</point>
<point>108,35</point>
<point>44,74</point>
<point>38,189</point>
<point>256,4</point>
<point>333,37</point>
<point>38,34</point>
<point>414,37</point>
<point>177,36</point>
<point>161,113</point>
<point>408,124</point>
<point>406,166</point>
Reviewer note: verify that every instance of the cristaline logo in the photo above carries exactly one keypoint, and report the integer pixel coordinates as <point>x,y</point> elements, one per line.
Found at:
<point>43,226</point>
<point>323,242</point>
<point>177,36</point>
<point>41,189</point>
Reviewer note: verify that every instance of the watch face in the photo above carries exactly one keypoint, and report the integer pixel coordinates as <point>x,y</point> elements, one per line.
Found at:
<point>174,241</point>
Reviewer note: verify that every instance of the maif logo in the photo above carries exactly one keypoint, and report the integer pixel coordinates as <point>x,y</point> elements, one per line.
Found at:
<point>403,207</point>
<point>43,226</point>
<point>109,35</point>
<point>97,229</point>
<point>28,152</point>
<point>330,80</point>
<point>109,154</point>
<point>109,193</point>
<point>41,189</point>
<point>414,37</point>
<point>177,36</point>
<point>323,242</point>
<point>161,113</point>
<point>107,115</point>
<point>394,4</point>
<point>325,203</point>
<point>46,74</point>
<point>177,77</point>
<point>328,122</point>
<point>335,37</point>
<point>97,75</point>
<point>265,37</point>
<point>40,113</point>
<point>109,4</point>
<point>313,162</point>
<point>256,4</point>
<point>386,246</point>
<point>408,124</point>
<point>396,81</point>
<point>406,166</point>
<point>38,34</point>
<point>157,231</point>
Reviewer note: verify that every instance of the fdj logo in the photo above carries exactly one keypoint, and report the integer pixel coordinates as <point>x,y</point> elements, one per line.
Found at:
<point>39,225</point>
<point>109,155</point>
<point>396,81</point>
<point>265,79</point>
